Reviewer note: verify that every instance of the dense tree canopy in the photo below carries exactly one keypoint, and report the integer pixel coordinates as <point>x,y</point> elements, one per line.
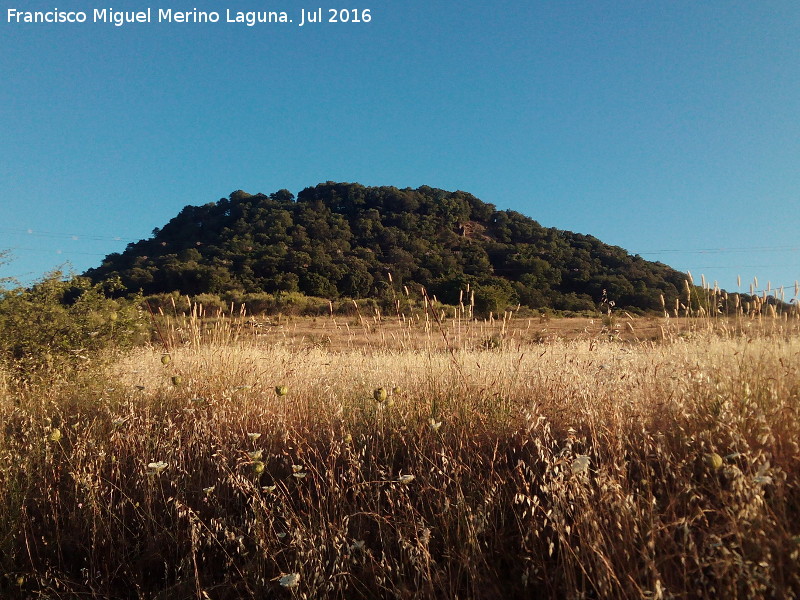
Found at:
<point>343,239</point>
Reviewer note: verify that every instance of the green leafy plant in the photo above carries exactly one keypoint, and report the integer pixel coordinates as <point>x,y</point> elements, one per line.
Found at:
<point>62,321</point>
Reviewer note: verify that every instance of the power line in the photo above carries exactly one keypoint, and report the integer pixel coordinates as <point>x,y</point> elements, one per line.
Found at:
<point>58,251</point>
<point>724,250</point>
<point>71,236</point>
<point>781,266</point>
<point>119,238</point>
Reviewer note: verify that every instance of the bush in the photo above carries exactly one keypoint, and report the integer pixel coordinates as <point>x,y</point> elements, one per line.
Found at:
<point>494,296</point>
<point>171,303</point>
<point>63,323</point>
<point>255,303</point>
<point>212,304</point>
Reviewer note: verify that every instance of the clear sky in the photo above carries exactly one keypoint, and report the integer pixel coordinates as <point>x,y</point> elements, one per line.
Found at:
<point>671,129</point>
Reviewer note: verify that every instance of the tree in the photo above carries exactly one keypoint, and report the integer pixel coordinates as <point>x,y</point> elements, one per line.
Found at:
<point>5,258</point>
<point>341,239</point>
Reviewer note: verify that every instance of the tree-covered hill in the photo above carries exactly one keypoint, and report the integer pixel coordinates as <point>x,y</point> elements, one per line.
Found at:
<point>344,239</point>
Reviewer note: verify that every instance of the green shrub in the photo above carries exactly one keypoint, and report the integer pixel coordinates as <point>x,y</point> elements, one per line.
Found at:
<point>61,322</point>
<point>212,304</point>
<point>493,296</point>
<point>169,303</point>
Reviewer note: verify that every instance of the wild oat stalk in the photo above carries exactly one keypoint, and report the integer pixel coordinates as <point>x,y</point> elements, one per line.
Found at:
<point>562,469</point>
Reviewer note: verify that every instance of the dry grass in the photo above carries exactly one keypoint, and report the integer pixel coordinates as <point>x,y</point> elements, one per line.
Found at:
<point>586,467</point>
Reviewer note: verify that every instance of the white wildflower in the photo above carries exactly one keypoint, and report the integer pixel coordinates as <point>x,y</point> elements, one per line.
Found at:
<point>580,464</point>
<point>154,468</point>
<point>289,581</point>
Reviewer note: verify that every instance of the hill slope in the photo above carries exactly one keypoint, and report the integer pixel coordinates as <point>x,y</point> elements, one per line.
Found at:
<point>342,239</point>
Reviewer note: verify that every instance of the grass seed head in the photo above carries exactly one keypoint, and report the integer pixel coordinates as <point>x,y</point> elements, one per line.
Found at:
<point>713,460</point>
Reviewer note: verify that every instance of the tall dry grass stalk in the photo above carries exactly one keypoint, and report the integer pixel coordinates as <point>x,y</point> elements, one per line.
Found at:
<point>261,465</point>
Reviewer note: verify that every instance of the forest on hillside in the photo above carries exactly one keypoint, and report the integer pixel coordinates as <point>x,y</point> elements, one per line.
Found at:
<point>346,240</point>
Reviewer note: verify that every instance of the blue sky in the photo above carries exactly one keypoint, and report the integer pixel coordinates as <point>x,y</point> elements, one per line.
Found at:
<point>668,128</point>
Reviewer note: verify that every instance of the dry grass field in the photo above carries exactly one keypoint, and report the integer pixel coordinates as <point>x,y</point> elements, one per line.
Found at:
<point>384,458</point>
